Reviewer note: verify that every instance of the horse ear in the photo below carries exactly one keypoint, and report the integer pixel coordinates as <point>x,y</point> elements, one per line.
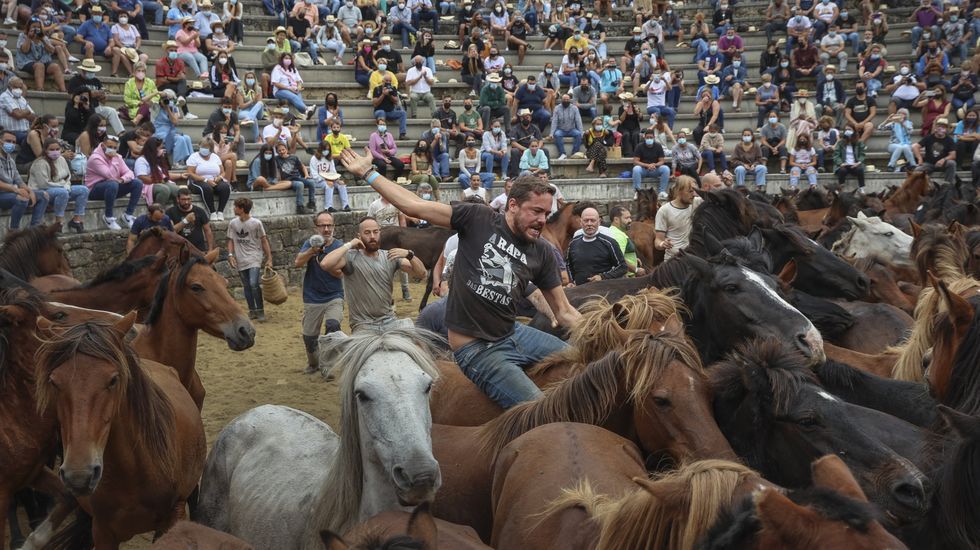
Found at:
<point>184,255</point>
<point>861,216</point>
<point>960,310</point>
<point>14,315</point>
<point>332,541</point>
<point>674,325</point>
<point>968,427</point>
<point>830,472</point>
<point>43,323</point>
<point>212,255</point>
<point>758,238</point>
<point>788,273</point>
<point>124,325</point>
<point>916,229</point>
<point>620,315</point>
<point>779,514</point>
<point>956,229</point>
<point>422,527</point>
<point>711,243</point>
<point>700,265</point>
<point>858,221</point>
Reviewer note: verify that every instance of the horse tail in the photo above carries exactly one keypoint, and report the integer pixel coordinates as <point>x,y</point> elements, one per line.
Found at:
<point>75,535</point>
<point>209,501</point>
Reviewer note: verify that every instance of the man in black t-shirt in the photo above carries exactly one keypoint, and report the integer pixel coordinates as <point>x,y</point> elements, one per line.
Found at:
<point>648,160</point>
<point>860,111</point>
<point>498,255</point>
<point>191,222</point>
<point>301,37</point>
<point>937,151</point>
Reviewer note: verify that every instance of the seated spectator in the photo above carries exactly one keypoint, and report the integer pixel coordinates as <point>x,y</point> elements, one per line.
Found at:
<point>709,111</point>
<point>596,139</point>
<point>107,178</point>
<point>205,19</point>
<point>648,160</point>
<point>204,169</point>
<point>723,18</point>
<point>233,11</point>
<point>292,169</point>
<point>521,137</point>
<point>734,81</point>
<point>251,108</point>
<point>534,160</point>
<point>426,49</point>
<point>227,146</point>
<point>904,88</point>
<point>766,99</point>
<point>132,141</point>
<point>125,40</point>
<point>327,114</point>
<point>878,28</point>
<point>92,136</point>
<point>802,118</point>
<point>777,14</point>
<point>44,127</point>
<point>495,148</point>
<point>470,121</point>
<point>629,124</point>
<point>975,167</point>
<point>773,141</point>
<point>685,157</point>
<point>475,189</point>
<point>387,104</point>
<point>657,96</point>
<point>438,149</point>
<point>170,71</point>
<point>825,13</point>
<point>747,157</point>
<point>931,55</point>
<point>51,175</point>
<point>385,150</point>
<point>802,160</point>
<point>419,79</point>
<point>830,95</point>
<point>784,79</point>
<point>493,103</point>
<point>568,72</point>
<point>730,45</point>
<point>531,97</point>
<point>494,63</point>
<point>925,17</point>
<point>400,21</point>
<point>769,60</point>
<point>900,141</point>
<point>323,170</point>
<point>421,165</point>
<point>955,38</point>
<point>966,135</point>
<point>263,172</point>
<point>299,30</point>
<point>473,71</point>
<point>934,106</point>
<point>336,140</point>
<point>138,93</point>
<point>824,140</point>
<point>33,55</point>
<point>860,112</point>
<point>549,83</point>
<point>470,164</point>
<point>188,44</point>
<point>287,84</point>
<point>871,68</point>
<point>154,217</point>
<point>710,63</point>
<point>224,79</point>
<point>330,37</point>
<point>937,152</point>
<point>153,169</point>
<point>662,133</point>
<point>95,35</point>
<point>798,27</point>
<point>364,63</point>
<point>16,114</point>
<point>584,99</point>
<point>849,157</point>
<point>713,150</point>
<point>806,59</point>
<point>178,145</point>
<point>832,46</point>
<point>610,81</point>
<point>964,90</point>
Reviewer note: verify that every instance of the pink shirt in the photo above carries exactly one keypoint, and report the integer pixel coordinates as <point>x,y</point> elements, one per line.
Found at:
<point>181,48</point>
<point>101,168</point>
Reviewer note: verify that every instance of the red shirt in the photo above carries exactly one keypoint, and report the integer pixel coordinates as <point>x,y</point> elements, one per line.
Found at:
<point>169,69</point>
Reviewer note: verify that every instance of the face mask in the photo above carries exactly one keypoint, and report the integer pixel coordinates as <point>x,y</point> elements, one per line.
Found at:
<point>101,129</point>
<point>648,141</point>
<point>267,156</point>
<point>3,43</point>
<point>531,87</point>
<point>447,105</point>
<point>874,57</point>
<point>730,36</point>
<point>109,151</point>
<point>858,91</point>
<point>471,144</point>
<point>401,6</point>
<point>427,196</point>
<point>646,52</point>
<point>767,84</point>
<point>843,13</point>
<point>467,107</point>
<point>656,78</point>
<point>123,20</point>
<point>204,151</point>
<point>386,47</point>
<point>270,46</point>
<point>508,71</point>
<point>226,111</point>
<point>784,64</point>
<point>223,60</point>
<point>926,36</point>
<point>802,100</point>
<point>566,103</point>
<point>382,128</point>
<point>277,122</point>
<point>736,64</point>
<point>713,49</point>
<point>287,62</point>
<point>9,147</point>
<point>435,131</point>
<point>670,12</point>
<point>939,133</point>
<point>971,120</point>
<point>53,155</point>
<point>250,82</point>
<point>548,71</point>
<point>904,70</point>
<point>499,9</point>
<point>382,67</point>
<point>140,75</point>
<point>171,56</point>
<point>496,130</point>
<point>598,127</point>
<point>877,21</point>
<point>493,86</point>
<point>219,30</point>
<point>773,120</point>
<point>848,133</point>
<point>206,13</point>
<point>832,34</point>
<point>349,4</point>
<point>681,141</point>
<point>526,121</point>
<point>747,139</point>
<point>953,18</point>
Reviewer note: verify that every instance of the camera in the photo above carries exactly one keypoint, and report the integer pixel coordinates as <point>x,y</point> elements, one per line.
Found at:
<point>316,241</point>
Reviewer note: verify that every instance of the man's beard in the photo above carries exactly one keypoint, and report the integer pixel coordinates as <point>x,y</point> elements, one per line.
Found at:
<point>372,246</point>
<point>522,229</point>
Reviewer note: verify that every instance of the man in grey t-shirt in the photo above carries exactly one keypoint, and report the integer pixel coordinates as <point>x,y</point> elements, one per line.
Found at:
<point>247,246</point>
<point>368,271</point>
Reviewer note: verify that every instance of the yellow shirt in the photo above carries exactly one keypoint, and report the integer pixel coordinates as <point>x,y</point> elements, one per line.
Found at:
<point>376,79</point>
<point>337,144</point>
<point>582,44</point>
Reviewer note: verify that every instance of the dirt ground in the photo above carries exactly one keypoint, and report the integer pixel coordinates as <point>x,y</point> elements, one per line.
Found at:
<point>270,372</point>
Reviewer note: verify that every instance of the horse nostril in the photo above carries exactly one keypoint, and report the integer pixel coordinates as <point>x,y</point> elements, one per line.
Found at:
<point>864,283</point>
<point>61,474</point>
<point>909,492</point>
<point>401,478</point>
<point>96,473</point>
<point>803,345</point>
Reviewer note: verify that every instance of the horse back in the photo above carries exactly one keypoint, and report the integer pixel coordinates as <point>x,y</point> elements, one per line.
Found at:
<point>449,536</point>
<point>186,535</point>
<point>457,401</point>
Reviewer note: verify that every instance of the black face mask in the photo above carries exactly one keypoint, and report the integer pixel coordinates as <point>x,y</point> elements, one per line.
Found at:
<point>447,105</point>
<point>526,121</point>
<point>859,91</point>
<point>566,103</point>
<point>468,107</point>
<point>418,65</point>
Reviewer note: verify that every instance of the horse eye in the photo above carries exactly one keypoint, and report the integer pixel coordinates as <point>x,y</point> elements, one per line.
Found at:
<point>731,288</point>
<point>890,234</point>
<point>807,422</point>
<point>59,316</point>
<point>362,397</point>
<point>662,402</point>
<point>52,382</point>
<point>113,381</point>
<point>428,389</point>
<point>197,288</point>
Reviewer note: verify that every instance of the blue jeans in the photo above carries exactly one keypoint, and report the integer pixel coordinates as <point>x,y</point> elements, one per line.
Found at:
<point>486,159</point>
<point>251,287</point>
<point>570,79</point>
<point>442,165</point>
<point>154,8</point>
<point>60,197</point>
<point>760,175</point>
<point>195,61</point>
<point>405,29</point>
<point>663,171</point>
<point>497,368</point>
<point>957,103</point>
<point>422,15</point>
<point>397,114</point>
<point>897,151</point>
<point>178,145</point>
<point>700,46</point>
<point>18,205</point>
<point>560,136</point>
<point>292,98</point>
<point>108,191</point>
<point>796,171</point>
<point>310,185</point>
<point>310,44</point>
<point>917,34</point>
<point>486,179</point>
<point>711,159</point>
<point>447,8</point>
<point>663,110</point>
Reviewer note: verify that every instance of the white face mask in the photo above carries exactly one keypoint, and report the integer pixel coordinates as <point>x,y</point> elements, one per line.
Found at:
<point>123,20</point>
<point>773,120</point>
<point>904,70</point>
<point>830,78</point>
<point>747,139</point>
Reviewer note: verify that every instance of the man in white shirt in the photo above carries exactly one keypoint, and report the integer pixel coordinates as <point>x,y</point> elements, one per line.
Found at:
<point>673,222</point>
<point>277,131</point>
<point>657,96</point>
<point>419,80</point>
<point>832,45</point>
<point>824,14</point>
<point>799,25</point>
<point>904,88</point>
<point>499,203</point>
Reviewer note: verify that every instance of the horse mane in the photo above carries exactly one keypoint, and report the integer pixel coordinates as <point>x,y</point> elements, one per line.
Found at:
<point>144,403</point>
<point>748,254</point>
<point>669,512</point>
<point>121,272</point>
<point>340,501</point>
<point>958,491</point>
<point>21,247</point>
<point>812,199</point>
<point>23,298</point>
<point>155,232</point>
<point>723,214</point>
<point>963,393</point>
<point>555,217</point>
<point>594,393</point>
<point>935,249</point>
<point>904,194</point>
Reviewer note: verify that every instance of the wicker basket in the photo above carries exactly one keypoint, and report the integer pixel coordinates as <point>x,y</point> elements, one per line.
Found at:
<point>273,287</point>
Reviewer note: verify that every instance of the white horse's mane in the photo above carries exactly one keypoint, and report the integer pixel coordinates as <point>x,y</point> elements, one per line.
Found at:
<point>339,499</point>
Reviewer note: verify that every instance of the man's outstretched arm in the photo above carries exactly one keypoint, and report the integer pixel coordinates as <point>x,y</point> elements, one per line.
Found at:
<point>404,200</point>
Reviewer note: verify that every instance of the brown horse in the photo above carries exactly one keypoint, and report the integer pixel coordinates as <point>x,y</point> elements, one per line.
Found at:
<point>397,529</point>
<point>427,243</point>
<point>653,392</point>
<point>563,224</point>
<point>151,241</point>
<point>880,364</point>
<point>456,401</point>
<point>190,297</point>
<point>133,438</point>
<point>34,252</point>
<point>30,438</point>
<point>194,536</point>
<point>952,327</point>
<point>907,198</point>
<point>884,284</point>
<point>646,205</point>
<point>644,237</point>
<point>876,327</point>
<point>126,287</point>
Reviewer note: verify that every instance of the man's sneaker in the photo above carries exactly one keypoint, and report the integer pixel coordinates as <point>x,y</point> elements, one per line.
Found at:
<point>562,156</point>
<point>129,220</point>
<point>221,216</point>
<point>181,101</point>
<point>73,59</point>
<point>300,209</point>
<point>9,21</point>
<point>662,196</point>
<point>213,217</point>
<point>311,205</point>
<point>190,116</point>
<point>111,223</point>
<point>347,208</point>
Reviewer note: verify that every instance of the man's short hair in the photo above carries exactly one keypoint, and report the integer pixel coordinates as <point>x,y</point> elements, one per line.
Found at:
<point>320,213</point>
<point>366,219</point>
<point>183,192</point>
<point>475,199</point>
<point>154,208</point>
<point>581,206</point>
<point>244,203</point>
<point>525,186</point>
<point>617,212</point>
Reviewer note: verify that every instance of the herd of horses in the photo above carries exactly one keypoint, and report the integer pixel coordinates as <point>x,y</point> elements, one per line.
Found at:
<point>805,375</point>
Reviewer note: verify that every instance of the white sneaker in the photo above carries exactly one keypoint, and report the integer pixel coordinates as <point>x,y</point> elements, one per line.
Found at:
<point>129,220</point>
<point>9,21</point>
<point>72,59</point>
<point>181,101</point>
<point>562,157</point>
<point>221,216</point>
<point>338,63</point>
<point>214,216</point>
<point>190,116</point>
<point>662,196</point>
<point>111,223</point>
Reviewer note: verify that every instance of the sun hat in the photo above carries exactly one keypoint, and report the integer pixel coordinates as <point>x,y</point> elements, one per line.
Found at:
<point>89,66</point>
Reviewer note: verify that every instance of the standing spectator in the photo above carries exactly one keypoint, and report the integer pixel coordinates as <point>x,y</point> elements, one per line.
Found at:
<point>247,245</point>
<point>288,85</point>
<point>849,158</point>
<point>832,46</point>
<point>774,141</point>
<point>204,178</point>
<point>495,148</point>
<point>493,103</point>
<point>620,221</point>
<point>323,293</point>
<point>803,159</point>
<point>566,122</point>
<point>673,221</point>
<point>925,17</point>
<point>51,175</point>
<point>830,95</point>
<point>937,152</point>
<point>648,160</point>
<point>534,161</point>
<point>713,150</point>
<point>747,157</point>
<point>860,112</point>
<point>595,147</point>
<point>419,80</point>
<point>191,222</point>
<point>387,105</point>
<point>900,141</point>
<point>154,217</point>
<point>16,114</point>
<point>153,170</point>
<point>107,177</point>
<point>594,256</point>
<point>385,150</point>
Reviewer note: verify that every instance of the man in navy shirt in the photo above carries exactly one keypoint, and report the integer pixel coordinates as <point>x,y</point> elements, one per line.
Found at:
<point>154,217</point>
<point>323,293</point>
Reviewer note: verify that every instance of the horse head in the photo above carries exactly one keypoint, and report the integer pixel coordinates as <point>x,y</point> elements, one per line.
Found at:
<point>820,272</point>
<point>872,236</point>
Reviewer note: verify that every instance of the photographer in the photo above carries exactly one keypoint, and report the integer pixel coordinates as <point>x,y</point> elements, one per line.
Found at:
<point>904,88</point>
<point>178,145</point>
<point>387,104</point>
<point>86,79</point>
<point>34,52</point>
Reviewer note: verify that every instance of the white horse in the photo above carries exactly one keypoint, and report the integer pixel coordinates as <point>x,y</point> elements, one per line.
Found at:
<point>874,237</point>
<point>277,476</point>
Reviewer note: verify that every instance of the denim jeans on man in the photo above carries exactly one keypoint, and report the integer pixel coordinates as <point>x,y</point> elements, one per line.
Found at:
<point>108,191</point>
<point>18,205</point>
<point>497,368</point>
<point>395,114</point>
<point>252,287</point>
<point>663,171</point>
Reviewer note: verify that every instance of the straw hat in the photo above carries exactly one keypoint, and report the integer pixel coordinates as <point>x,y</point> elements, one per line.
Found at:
<point>579,155</point>
<point>402,181</point>
<point>453,81</point>
<point>452,45</point>
<point>943,121</point>
<point>626,96</point>
<point>205,4</point>
<point>131,54</point>
<point>781,42</point>
<point>89,66</point>
<point>830,68</point>
<point>803,93</point>
<point>279,30</point>
<point>523,112</point>
<point>753,28</point>
<point>170,44</point>
<point>684,131</point>
<point>637,29</point>
<point>96,10</point>
<point>386,38</point>
<point>330,176</point>
<point>330,19</point>
<point>493,77</point>
<point>711,79</point>
<point>185,20</point>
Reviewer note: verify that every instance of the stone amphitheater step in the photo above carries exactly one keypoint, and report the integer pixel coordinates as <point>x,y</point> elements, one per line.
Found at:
<point>279,203</point>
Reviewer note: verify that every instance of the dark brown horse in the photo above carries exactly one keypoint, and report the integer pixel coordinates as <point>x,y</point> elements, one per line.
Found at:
<point>34,252</point>
<point>151,241</point>
<point>133,438</point>
<point>563,224</point>
<point>426,242</point>
<point>126,287</point>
